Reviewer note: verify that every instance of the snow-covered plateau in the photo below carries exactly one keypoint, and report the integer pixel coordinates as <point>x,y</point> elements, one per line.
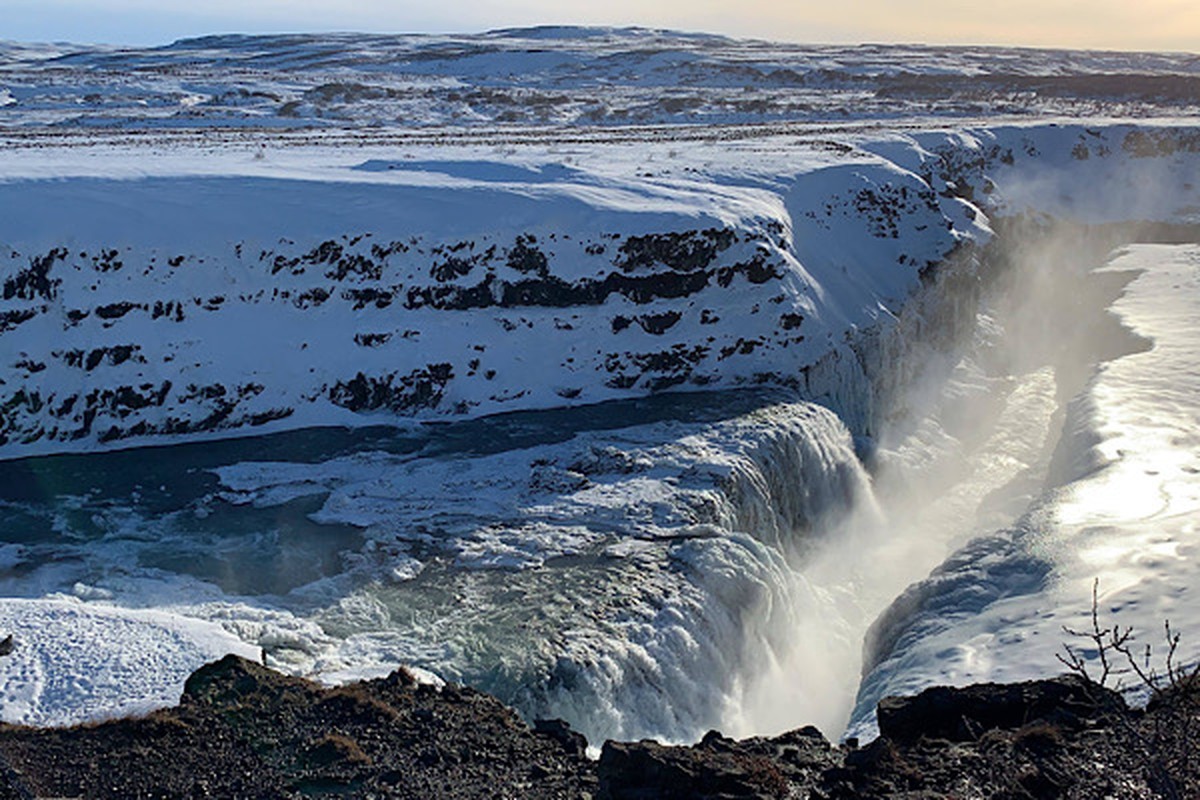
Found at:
<point>657,382</point>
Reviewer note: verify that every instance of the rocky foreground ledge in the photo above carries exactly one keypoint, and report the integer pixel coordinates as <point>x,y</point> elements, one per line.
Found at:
<point>242,730</point>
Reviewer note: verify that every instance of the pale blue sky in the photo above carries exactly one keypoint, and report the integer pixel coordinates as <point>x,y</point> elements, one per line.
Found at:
<point>1108,24</point>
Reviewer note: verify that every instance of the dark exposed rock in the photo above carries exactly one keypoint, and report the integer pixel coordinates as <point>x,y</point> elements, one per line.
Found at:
<point>679,358</point>
<point>757,270</point>
<point>11,319</point>
<point>115,310</point>
<point>790,321</point>
<point>646,769</point>
<point>421,388</point>
<point>524,256</point>
<point>622,381</point>
<point>242,730</point>
<point>146,394</point>
<point>658,323</point>
<point>313,297</point>
<point>34,282</point>
<point>664,382</point>
<point>341,265</point>
<point>89,360</point>
<point>453,267</point>
<point>382,252</point>
<point>371,339</point>
<point>169,309</point>
<point>355,264</point>
<point>964,714</point>
<point>361,298</point>
<point>460,260</point>
<point>743,347</point>
<point>270,415</point>
<point>662,369</point>
<point>554,292</point>
<point>688,255</point>
<point>30,366</point>
<point>1077,741</point>
<point>788,765</point>
<point>685,251</point>
<point>106,261</point>
<point>572,742</point>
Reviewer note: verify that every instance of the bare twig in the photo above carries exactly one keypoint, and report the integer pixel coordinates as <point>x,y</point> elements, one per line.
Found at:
<point>1174,696</point>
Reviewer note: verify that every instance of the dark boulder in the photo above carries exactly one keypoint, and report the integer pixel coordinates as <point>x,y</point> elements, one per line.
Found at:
<point>963,714</point>
<point>647,770</point>
<point>235,681</point>
<point>573,743</point>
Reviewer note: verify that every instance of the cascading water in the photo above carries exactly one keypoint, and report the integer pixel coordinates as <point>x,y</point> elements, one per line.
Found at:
<point>742,563</point>
<point>664,558</point>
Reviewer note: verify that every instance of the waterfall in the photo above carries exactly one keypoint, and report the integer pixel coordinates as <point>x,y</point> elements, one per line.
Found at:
<point>714,600</point>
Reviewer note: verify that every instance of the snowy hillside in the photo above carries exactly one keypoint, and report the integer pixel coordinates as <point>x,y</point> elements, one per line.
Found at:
<point>217,293</point>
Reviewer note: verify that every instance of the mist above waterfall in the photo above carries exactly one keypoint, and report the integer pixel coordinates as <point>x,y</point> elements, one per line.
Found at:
<point>964,450</point>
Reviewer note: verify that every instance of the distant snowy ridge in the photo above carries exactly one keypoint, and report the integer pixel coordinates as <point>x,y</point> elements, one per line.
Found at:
<point>566,76</point>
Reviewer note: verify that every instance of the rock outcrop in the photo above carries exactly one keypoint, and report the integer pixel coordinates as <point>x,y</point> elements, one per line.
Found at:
<point>242,730</point>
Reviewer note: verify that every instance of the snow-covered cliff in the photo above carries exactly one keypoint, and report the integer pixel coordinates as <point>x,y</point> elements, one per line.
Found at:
<point>202,293</point>
<point>221,294</point>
